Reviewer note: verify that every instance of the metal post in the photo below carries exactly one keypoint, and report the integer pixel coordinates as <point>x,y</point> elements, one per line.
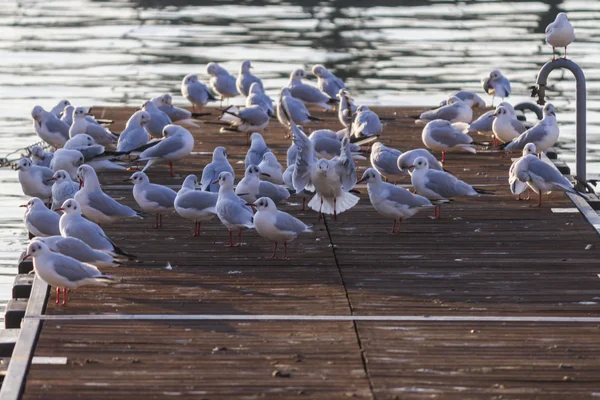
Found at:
<point>580,109</point>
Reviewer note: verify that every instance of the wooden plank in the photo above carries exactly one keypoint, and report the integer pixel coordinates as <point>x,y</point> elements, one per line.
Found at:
<point>16,375</point>
<point>22,286</point>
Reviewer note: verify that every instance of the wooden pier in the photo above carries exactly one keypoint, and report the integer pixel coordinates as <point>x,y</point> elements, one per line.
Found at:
<point>496,299</point>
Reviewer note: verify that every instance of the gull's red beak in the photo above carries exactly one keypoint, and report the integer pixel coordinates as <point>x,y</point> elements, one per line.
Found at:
<point>127,180</point>
<point>80,183</point>
<point>264,174</point>
<point>27,256</point>
<point>59,209</point>
<point>360,181</point>
<point>51,179</point>
<point>215,182</point>
<point>412,166</point>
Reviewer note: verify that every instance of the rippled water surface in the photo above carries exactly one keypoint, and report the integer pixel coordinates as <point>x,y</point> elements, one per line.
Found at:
<point>124,52</point>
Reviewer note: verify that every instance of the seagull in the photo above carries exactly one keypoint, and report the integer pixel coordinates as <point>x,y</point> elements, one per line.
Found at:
<point>288,176</point>
<point>455,111</point>
<point>34,179</point>
<point>158,120</point>
<point>211,172</point>
<point>392,201</point>
<point>231,210</point>
<point>222,81</point>
<point>497,85</point>
<point>505,127</point>
<point>63,189</point>
<point>95,204</point>
<point>245,79</point>
<point>327,82</point>
<point>408,158</point>
<point>366,123</point>
<point>79,250</point>
<point>251,187</point>
<point>135,134</point>
<point>275,225</point>
<point>439,185</point>
<point>67,116</point>
<point>543,134</point>
<point>560,33</point>
<point>73,224</point>
<point>152,198</point>
<point>177,143</point>
<point>332,179</point>
<point>81,125</point>
<point>60,107</point>
<point>196,92</point>
<point>68,160</point>
<point>95,155</point>
<point>39,220</point>
<point>296,110</point>
<point>483,124</point>
<point>516,186</point>
<point>542,178</point>
<point>249,119</point>
<point>49,128</point>
<point>195,205</point>
<point>346,108</point>
<point>63,272</point>
<point>441,135</point>
<point>164,103</point>
<point>307,93</point>
<point>257,150</point>
<point>327,144</point>
<point>40,157</point>
<point>271,170</point>
<point>385,161</point>
<point>257,97</point>
<point>471,98</point>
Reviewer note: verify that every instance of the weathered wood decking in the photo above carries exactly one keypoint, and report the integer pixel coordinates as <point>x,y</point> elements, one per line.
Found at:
<point>487,257</point>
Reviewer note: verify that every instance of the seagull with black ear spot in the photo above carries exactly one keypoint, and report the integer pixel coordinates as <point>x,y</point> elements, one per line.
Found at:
<point>327,82</point>
<point>276,225</point>
<point>135,134</point>
<point>231,210</point>
<point>63,272</point>
<point>40,157</point>
<point>309,94</point>
<point>68,160</point>
<point>392,201</point>
<point>39,220</point>
<point>496,85</point>
<point>221,81</point>
<point>49,128</point>
<point>81,125</point>
<point>251,187</point>
<point>152,198</point>
<point>64,188</point>
<point>245,79</point>
<point>195,205</point>
<point>211,172</point>
<point>34,179</point>
<point>177,143</point>
<point>196,92</point>
<point>60,107</point>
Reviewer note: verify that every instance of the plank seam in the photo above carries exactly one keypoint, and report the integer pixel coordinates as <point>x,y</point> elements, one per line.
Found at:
<point>354,325</point>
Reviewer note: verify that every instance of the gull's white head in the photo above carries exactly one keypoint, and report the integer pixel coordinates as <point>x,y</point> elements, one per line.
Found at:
<point>167,99</point>
<point>213,69</point>
<point>81,140</point>
<point>561,16</point>
<point>225,180</point>
<point>256,138</point>
<point>453,100</point>
<point>85,173</point>
<point>189,79</point>
<point>36,248</point>
<point>529,149</point>
<point>138,178</point>
<point>297,75</point>
<point>319,71</point>
<point>265,204</point>
<point>362,109</point>
<point>70,206</point>
<point>323,165</point>
<point>508,106</point>
<point>36,113</point>
<point>219,153</point>
<point>245,66</point>
<point>24,164</point>
<point>141,117</point>
<point>35,203</point>
<point>170,130</point>
<point>420,163</point>
<point>549,110</point>
<point>63,103</point>
<point>190,182</point>
<point>253,170</point>
<point>79,113</point>
<point>376,147</point>
<point>502,112</point>
<point>60,176</point>
<point>370,176</point>
<point>255,88</point>
<point>68,110</point>
<point>37,151</point>
<point>495,74</point>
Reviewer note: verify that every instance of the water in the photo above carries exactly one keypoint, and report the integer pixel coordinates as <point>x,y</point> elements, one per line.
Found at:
<point>122,53</point>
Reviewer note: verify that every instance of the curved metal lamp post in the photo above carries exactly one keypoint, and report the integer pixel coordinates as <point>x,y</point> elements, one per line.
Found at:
<point>580,108</point>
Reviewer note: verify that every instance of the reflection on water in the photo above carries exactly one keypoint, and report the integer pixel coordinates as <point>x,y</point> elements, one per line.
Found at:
<point>121,53</point>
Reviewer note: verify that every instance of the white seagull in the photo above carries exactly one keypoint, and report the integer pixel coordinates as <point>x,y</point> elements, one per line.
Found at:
<point>455,111</point>
<point>271,170</point>
<point>560,33</point>
<point>40,221</point>
<point>134,135</point>
<point>441,135</point>
<point>496,85</point>
<point>177,143</point>
<point>231,210</point>
<point>81,125</point>
<point>543,134</point>
<point>275,225</point>
<point>49,128</point>
<point>152,198</point>
<point>385,160</point>
<point>307,93</point>
<point>221,81</point>
<point>196,92</point>
<point>257,97</point>
<point>251,187</point>
<point>34,179</point>
<point>195,205</point>
<point>79,250</point>
<point>64,188</point>
<point>327,82</point>
<point>211,172</point>
<point>296,110</point>
<point>245,79</point>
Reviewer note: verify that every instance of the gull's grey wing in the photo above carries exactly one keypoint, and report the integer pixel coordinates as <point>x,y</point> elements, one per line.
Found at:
<point>447,185</point>
<point>200,93</point>
<point>89,233</point>
<point>274,192</point>
<point>91,151</point>
<point>518,125</point>
<point>73,270</point>
<point>403,196</point>
<point>47,173</point>
<point>224,83</point>
<point>305,158</point>
<point>332,85</point>
<point>370,123</point>
<point>285,222</point>
<point>56,125</point>
<point>345,166</point>
<point>237,212</point>
<point>161,195</point>
<point>166,146</point>
<point>483,123</point>
<point>534,135</point>
<point>45,222</point>
<point>78,249</point>
<point>309,94</point>
<point>505,84</point>
<point>197,200</point>
<point>447,113</point>
<point>254,116</point>
<point>327,145</point>
<point>252,158</point>
<point>107,205</point>
<point>387,161</point>
<point>449,136</point>
<point>547,173</point>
